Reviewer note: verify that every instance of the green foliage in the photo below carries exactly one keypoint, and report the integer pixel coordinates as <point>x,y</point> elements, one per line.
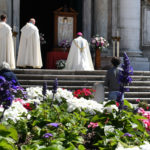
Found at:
<point>8,137</point>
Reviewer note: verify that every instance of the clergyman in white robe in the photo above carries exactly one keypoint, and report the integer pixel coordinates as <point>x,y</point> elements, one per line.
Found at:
<point>29,54</point>
<point>6,45</point>
<point>79,57</point>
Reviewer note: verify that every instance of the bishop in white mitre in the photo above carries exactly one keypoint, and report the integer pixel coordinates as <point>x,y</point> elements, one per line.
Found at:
<point>29,54</point>
<point>6,43</point>
<point>79,57</point>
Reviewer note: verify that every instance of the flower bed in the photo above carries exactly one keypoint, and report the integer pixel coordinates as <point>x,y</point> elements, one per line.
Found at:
<point>71,123</point>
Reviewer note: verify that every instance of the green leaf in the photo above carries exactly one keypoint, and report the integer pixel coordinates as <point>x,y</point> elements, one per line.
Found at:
<point>32,147</point>
<point>140,125</point>
<point>110,103</point>
<point>57,108</point>
<point>13,133</point>
<point>8,132</point>
<point>54,147</point>
<point>139,117</point>
<point>72,147</point>
<point>127,104</point>
<point>81,147</point>
<point>6,145</point>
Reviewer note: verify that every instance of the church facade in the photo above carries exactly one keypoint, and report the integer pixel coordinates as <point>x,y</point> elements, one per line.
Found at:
<point>130,19</point>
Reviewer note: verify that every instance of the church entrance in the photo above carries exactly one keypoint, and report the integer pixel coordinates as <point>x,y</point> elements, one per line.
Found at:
<point>42,11</point>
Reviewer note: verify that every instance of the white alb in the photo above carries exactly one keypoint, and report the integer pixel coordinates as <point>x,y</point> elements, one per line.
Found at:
<point>79,57</point>
<point>29,47</point>
<point>6,45</point>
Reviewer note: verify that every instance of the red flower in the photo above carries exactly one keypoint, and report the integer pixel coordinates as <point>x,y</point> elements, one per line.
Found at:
<point>27,106</point>
<point>86,93</point>
<point>117,104</point>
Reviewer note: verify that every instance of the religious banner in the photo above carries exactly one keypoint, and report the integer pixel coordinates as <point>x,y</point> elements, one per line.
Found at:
<point>65,22</point>
<point>65,29</point>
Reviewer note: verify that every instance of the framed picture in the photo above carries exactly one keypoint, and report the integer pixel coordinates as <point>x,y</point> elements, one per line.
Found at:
<point>65,23</point>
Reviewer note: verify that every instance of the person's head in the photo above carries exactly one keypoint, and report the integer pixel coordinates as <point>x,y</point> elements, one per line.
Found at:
<point>3,18</point>
<point>115,61</point>
<point>79,34</point>
<point>5,65</point>
<point>32,20</point>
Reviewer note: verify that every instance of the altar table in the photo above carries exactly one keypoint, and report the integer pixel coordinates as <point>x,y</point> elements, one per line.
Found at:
<point>52,58</point>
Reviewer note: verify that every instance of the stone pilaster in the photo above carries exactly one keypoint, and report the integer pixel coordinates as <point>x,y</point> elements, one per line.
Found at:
<point>87,16</point>
<point>101,17</point>
<point>129,12</point>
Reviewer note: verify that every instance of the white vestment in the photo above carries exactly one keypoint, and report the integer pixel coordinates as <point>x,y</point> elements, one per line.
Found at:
<point>79,57</point>
<point>29,48</point>
<point>6,45</point>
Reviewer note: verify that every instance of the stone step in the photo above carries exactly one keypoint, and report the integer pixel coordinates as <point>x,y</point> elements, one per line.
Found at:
<point>65,87</point>
<point>134,94</point>
<point>139,88</point>
<point>70,72</point>
<point>60,82</point>
<point>71,80</point>
<point>58,72</point>
<point>133,100</point>
<point>78,77</point>
<point>59,77</point>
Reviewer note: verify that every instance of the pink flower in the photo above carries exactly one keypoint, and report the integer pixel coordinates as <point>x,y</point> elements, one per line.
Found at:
<point>137,100</point>
<point>93,125</point>
<point>146,123</point>
<point>93,41</point>
<point>19,100</point>
<point>141,110</point>
<point>147,115</point>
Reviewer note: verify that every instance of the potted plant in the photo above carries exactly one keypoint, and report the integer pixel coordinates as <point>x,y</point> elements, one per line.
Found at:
<point>98,43</point>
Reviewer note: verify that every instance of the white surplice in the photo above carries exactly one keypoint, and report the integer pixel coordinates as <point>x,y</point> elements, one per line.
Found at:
<point>6,45</point>
<point>29,48</point>
<point>79,57</point>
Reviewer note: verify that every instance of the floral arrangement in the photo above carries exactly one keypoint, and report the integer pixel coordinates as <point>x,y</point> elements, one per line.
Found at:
<point>60,64</point>
<point>85,93</point>
<point>99,42</point>
<point>64,43</point>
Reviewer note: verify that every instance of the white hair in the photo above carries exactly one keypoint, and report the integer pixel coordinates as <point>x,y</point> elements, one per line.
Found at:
<point>4,65</point>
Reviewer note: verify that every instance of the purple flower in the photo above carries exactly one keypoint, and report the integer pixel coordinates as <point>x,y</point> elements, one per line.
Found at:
<point>44,88</point>
<point>47,135</point>
<point>124,78</point>
<point>64,44</point>
<point>128,134</point>
<point>53,124</point>
<point>55,86</point>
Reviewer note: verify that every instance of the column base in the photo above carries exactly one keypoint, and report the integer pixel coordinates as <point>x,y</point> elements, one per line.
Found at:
<point>132,53</point>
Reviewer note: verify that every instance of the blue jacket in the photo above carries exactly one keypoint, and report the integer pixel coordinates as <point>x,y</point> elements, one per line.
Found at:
<point>9,75</point>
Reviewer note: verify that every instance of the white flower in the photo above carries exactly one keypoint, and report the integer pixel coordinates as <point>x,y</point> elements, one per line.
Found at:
<point>146,146</point>
<point>108,129</point>
<point>14,112</point>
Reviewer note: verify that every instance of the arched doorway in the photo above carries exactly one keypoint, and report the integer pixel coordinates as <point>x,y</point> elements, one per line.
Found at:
<point>42,11</point>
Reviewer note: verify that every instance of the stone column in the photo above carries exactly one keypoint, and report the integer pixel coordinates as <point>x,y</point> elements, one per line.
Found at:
<point>3,7</point>
<point>87,16</point>
<point>16,21</point>
<point>129,12</point>
<point>101,17</point>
